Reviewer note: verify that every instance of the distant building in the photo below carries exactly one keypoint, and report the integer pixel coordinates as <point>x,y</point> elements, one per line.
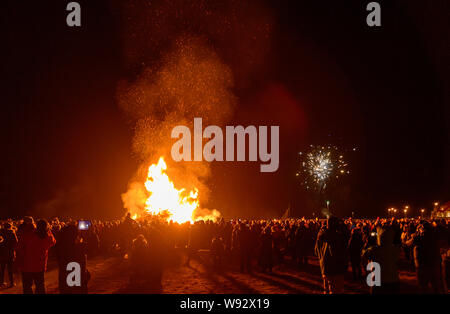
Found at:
<point>441,212</point>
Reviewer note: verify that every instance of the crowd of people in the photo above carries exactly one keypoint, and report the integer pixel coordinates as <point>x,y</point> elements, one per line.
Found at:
<point>251,245</point>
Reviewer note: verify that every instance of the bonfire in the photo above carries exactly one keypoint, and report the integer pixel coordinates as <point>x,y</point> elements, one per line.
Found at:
<point>165,200</point>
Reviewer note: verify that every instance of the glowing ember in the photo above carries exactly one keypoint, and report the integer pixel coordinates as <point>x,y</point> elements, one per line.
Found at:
<point>165,199</point>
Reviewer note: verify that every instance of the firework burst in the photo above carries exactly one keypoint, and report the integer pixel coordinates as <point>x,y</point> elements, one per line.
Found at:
<point>320,166</point>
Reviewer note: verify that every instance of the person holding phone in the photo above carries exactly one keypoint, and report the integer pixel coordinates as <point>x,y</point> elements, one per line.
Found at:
<point>386,253</point>
<point>71,250</point>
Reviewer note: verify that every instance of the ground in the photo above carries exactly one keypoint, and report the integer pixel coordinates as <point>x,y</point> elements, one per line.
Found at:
<point>110,275</point>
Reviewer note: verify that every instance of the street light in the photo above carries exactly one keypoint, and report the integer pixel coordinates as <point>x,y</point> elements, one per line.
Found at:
<point>392,211</point>
<point>436,204</point>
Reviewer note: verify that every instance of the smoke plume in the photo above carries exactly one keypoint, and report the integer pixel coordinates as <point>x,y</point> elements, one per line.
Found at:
<point>180,55</point>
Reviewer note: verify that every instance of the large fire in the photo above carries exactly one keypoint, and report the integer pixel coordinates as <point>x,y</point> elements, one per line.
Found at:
<point>159,197</point>
<point>165,199</point>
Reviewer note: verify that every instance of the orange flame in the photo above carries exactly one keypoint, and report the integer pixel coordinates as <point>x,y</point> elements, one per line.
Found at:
<point>165,199</point>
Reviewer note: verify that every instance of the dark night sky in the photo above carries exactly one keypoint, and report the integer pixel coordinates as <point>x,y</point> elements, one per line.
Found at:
<point>67,145</point>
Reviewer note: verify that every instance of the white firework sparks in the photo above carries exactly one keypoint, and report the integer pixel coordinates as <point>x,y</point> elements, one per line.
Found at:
<point>321,165</point>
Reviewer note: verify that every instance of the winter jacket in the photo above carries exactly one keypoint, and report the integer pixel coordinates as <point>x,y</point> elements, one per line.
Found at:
<point>32,251</point>
<point>8,245</point>
<point>331,248</point>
